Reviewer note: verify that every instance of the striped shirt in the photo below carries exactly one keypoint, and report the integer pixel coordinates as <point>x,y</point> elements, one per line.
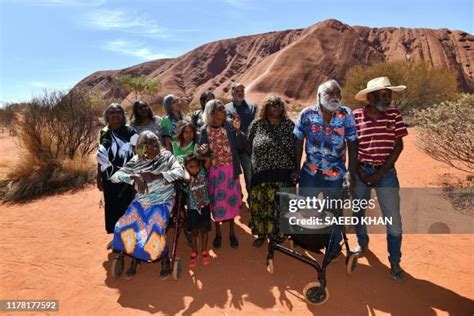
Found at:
<point>377,136</point>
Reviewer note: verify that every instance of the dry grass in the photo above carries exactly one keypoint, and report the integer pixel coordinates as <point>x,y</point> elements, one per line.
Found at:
<point>58,133</point>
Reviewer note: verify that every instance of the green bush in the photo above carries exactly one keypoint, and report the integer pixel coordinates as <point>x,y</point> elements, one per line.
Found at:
<point>446,132</point>
<point>426,85</point>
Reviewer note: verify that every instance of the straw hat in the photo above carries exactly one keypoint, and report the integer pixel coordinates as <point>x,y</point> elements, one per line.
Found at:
<point>376,84</point>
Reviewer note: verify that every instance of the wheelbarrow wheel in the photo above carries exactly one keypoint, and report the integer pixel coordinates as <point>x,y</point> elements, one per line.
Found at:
<point>314,295</point>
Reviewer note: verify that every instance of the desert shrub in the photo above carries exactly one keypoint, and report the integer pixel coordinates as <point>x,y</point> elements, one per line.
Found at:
<point>426,85</point>
<point>57,132</point>
<point>446,132</point>
<point>99,103</point>
<point>140,85</point>
<point>9,117</point>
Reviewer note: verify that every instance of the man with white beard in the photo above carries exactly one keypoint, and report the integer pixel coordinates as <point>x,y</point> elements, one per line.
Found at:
<point>327,127</point>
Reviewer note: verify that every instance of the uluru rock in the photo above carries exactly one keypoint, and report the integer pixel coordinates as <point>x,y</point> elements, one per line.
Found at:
<point>292,63</point>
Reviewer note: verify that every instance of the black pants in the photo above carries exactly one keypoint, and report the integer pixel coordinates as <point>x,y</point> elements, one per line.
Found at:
<point>117,197</point>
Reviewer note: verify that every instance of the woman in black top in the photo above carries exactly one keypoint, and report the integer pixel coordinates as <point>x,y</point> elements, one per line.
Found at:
<point>115,150</point>
<point>272,143</point>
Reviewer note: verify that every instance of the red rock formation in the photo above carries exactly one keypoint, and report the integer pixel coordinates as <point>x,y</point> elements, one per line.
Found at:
<point>292,63</point>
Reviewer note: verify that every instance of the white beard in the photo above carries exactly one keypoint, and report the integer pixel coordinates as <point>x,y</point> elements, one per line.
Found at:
<point>329,104</point>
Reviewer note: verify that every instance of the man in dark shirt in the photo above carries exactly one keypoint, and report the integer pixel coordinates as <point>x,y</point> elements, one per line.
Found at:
<point>246,111</point>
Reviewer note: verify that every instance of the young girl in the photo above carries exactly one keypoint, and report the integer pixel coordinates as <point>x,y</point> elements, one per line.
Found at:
<point>174,113</point>
<point>221,141</point>
<point>199,212</point>
<point>186,140</point>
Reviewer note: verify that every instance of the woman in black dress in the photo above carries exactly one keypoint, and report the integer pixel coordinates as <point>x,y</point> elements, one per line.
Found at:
<point>115,150</point>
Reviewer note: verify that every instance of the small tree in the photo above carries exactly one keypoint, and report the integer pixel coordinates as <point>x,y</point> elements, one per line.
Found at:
<point>426,85</point>
<point>447,132</point>
<point>139,85</point>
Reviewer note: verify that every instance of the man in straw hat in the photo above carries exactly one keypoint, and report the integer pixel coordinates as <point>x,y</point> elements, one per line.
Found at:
<point>380,130</point>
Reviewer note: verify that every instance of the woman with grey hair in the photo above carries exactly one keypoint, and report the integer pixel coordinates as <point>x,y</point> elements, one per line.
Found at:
<point>172,106</point>
<point>221,142</point>
<point>116,143</point>
<point>141,231</point>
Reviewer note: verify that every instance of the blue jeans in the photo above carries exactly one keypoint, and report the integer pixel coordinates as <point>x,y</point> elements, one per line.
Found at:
<point>388,196</point>
<point>331,189</point>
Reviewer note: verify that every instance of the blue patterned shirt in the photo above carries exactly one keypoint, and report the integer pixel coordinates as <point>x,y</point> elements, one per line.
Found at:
<point>326,147</point>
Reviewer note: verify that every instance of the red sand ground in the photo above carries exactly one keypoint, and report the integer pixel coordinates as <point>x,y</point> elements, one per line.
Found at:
<point>54,248</point>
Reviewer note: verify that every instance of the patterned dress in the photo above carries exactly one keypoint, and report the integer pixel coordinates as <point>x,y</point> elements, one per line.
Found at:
<point>224,190</point>
<point>273,161</point>
<point>141,231</point>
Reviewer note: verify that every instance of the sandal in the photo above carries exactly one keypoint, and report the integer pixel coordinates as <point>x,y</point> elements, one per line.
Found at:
<point>205,257</point>
<point>132,270</point>
<point>234,243</point>
<point>118,265</point>
<point>193,260</point>
<point>257,243</point>
<point>165,269</point>
<point>217,241</point>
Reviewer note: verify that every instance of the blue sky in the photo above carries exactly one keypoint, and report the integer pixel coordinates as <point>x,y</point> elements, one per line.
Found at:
<point>52,44</point>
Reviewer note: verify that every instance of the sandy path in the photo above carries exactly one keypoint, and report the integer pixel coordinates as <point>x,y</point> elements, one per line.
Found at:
<point>54,248</point>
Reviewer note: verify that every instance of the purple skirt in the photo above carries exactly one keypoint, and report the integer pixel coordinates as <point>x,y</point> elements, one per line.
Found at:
<point>225,193</point>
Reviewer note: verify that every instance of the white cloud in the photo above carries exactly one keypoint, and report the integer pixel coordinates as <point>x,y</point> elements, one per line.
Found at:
<point>51,85</point>
<point>62,3</point>
<point>240,4</point>
<point>133,49</point>
<point>125,21</point>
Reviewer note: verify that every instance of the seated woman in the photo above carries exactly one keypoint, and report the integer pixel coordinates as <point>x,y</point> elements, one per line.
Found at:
<point>141,231</point>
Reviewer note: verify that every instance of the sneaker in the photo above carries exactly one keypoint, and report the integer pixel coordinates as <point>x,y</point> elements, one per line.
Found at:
<point>257,243</point>
<point>165,269</point>
<point>109,245</point>
<point>130,273</point>
<point>217,241</point>
<point>396,272</point>
<point>205,257</point>
<point>234,243</point>
<point>359,250</point>
<point>193,260</point>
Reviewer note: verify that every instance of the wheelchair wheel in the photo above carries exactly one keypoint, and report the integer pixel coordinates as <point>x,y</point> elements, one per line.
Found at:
<point>270,266</point>
<point>314,295</point>
<point>176,274</point>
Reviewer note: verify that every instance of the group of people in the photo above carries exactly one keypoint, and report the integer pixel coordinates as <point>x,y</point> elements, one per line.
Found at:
<point>141,167</point>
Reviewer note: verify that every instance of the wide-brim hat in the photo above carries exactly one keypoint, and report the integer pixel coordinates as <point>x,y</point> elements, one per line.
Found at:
<point>376,84</point>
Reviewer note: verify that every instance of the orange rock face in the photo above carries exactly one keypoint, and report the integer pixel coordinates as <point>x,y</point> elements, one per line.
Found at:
<point>292,63</point>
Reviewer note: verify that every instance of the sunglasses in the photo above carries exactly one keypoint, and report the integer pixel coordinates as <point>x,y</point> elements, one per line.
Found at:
<point>276,104</point>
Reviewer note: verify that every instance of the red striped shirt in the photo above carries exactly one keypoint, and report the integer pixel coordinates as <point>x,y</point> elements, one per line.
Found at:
<point>377,137</point>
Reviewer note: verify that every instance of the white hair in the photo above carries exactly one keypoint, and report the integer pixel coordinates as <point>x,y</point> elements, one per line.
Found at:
<point>210,107</point>
<point>325,86</point>
<point>146,137</point>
